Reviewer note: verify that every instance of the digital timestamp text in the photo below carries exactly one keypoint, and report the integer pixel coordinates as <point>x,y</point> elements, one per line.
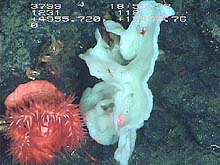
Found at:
<point>51,13</point>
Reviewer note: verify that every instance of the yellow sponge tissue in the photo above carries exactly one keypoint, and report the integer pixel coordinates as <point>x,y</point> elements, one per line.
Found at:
<point>115,108</point>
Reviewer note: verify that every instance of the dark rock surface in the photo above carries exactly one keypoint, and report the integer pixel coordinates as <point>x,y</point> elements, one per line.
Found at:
<point>184,127</point>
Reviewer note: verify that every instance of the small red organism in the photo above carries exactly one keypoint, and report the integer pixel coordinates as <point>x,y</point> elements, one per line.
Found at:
<point>54,73</point>
<point>43,122</point>
<point>121,121</point>
<point>182,73</point>
<point>143,31</point>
